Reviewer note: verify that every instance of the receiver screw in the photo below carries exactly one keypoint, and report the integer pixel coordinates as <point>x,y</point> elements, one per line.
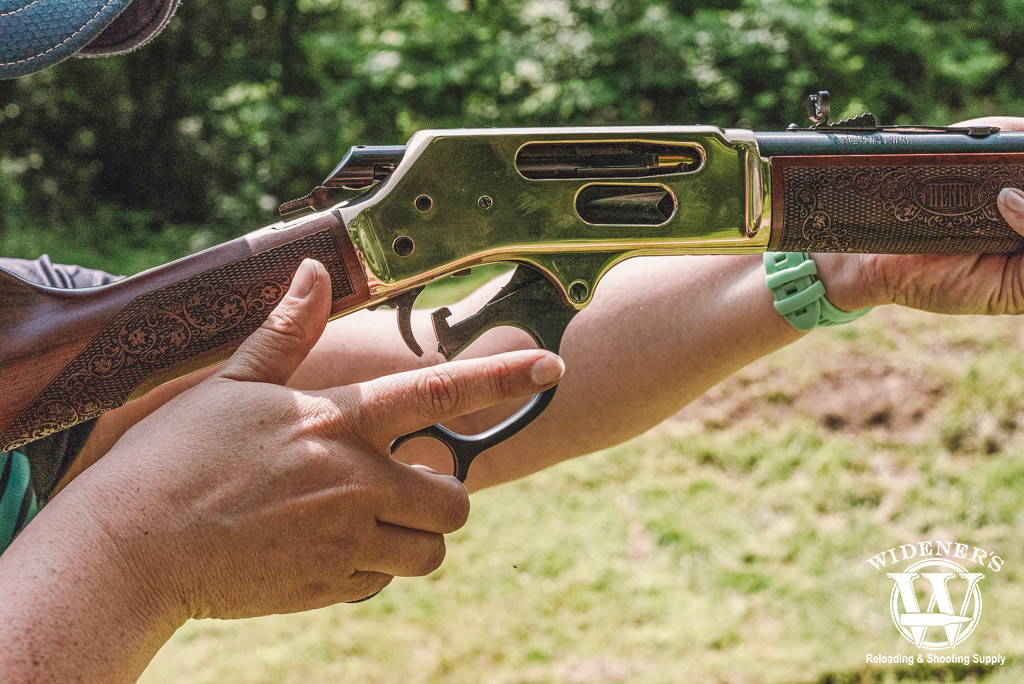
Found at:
<point>403,246</point>
<point>578,291</point>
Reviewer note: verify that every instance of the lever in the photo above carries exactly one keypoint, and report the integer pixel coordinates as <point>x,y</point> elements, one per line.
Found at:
<point>529,302</point>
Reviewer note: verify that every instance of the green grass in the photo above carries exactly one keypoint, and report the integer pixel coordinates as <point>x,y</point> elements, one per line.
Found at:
<point>727,545</point>
<point>122,242</point>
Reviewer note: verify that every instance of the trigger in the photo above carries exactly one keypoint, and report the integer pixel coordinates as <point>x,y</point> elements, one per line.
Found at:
<point>529,302</point>
<point>403,304</point>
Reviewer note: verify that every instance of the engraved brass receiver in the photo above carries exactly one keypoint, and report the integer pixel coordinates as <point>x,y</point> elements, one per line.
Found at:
<point>569,203</point>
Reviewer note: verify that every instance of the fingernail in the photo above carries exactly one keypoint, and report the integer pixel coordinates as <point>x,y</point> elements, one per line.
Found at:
<point>1013,199</point>
<point>547,369</point>
<point>302,282</point>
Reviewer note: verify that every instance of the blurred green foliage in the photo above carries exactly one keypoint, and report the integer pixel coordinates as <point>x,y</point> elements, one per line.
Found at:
<point>241,104</point>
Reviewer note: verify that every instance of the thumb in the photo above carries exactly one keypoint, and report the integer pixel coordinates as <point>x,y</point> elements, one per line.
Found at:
<point>398,404</point>
<point>1011,206</point>
<point>275,350</point>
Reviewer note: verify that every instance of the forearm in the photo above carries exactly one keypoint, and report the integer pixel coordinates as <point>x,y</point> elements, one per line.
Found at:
<point>658,334</point>
<point>74,610</point>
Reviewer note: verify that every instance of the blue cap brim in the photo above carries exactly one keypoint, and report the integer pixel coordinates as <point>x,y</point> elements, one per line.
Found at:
<point>35,34</point>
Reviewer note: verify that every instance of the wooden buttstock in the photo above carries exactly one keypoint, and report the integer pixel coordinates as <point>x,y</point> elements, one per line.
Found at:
<point>894,204</point>
<point>70,355</point>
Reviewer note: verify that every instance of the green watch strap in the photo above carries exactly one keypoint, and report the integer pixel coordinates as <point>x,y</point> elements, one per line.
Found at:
<point>799,295</point>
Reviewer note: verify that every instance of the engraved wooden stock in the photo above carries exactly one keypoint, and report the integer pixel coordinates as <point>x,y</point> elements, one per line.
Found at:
<point>68,356</point>
<point>894,204</point>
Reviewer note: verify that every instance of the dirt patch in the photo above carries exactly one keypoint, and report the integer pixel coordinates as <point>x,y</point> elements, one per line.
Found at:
<point>877,398</point>
<point>867,397</point>
<point>599,670</point>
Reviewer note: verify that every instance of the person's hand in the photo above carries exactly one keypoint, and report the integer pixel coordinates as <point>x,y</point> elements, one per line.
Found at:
<point>970,284</point>
<point>243,497</point>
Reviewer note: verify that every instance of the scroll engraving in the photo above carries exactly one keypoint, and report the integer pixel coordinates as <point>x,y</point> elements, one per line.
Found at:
<point>168,327</point>
<point>920,205</point>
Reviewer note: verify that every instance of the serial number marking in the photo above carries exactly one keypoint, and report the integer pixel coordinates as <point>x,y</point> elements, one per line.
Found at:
<point>870,140</point>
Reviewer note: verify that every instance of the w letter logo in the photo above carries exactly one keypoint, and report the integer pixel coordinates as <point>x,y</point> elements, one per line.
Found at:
<point>953,602</point>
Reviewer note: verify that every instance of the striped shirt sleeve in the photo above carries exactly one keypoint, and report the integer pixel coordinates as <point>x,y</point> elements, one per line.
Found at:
<point>18,503</point>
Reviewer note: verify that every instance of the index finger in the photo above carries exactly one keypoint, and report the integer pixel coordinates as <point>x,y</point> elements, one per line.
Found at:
<point>395,405</point>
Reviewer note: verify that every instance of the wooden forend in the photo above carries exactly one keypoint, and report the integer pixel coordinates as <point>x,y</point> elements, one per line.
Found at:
<point>894,204</point>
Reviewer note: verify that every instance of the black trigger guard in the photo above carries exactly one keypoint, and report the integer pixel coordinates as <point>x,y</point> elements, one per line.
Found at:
<point>465,448</point>
<point>530,302</point>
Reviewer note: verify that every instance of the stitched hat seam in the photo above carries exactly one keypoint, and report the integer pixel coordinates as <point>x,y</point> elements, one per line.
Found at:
<point>46,52</point>
<point>7,14</point>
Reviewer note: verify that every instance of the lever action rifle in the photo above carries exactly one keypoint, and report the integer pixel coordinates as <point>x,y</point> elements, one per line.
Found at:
<point>563,204</point>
